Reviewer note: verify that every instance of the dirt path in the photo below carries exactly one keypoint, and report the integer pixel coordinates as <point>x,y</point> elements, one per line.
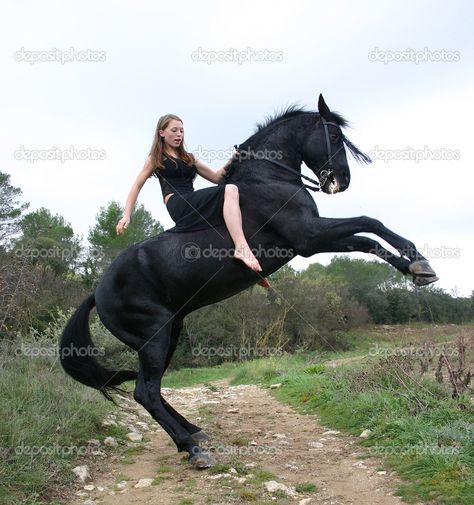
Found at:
<point>256,440</point>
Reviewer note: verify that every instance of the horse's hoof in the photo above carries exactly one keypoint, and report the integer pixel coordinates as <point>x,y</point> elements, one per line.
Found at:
<point>200,436</point>
<point>421,268</point>
<point>424,281</point>
<point>201,459</point>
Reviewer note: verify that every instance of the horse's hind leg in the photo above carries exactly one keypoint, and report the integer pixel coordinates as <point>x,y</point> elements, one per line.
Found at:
<point>153,355</point>
<point>195,431</point>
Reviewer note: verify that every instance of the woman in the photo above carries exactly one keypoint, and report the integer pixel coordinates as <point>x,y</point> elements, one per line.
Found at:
<point>190,210</point>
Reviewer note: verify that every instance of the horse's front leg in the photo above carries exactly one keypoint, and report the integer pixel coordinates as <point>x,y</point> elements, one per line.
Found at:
<point>367,245</point>
<point>319,233</point>
<point>356,243</point>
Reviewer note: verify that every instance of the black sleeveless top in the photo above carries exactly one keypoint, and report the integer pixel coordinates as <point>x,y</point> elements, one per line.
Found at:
<point>177,177</point>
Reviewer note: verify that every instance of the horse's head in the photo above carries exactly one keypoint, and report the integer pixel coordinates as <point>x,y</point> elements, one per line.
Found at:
<point>323,150</point>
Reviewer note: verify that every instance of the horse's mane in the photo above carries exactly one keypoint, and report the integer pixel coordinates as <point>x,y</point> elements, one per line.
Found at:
<point>291,111</point>
<point>294,110</point>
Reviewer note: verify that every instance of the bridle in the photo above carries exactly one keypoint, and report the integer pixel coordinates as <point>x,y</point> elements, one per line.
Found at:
<point>324,174</point>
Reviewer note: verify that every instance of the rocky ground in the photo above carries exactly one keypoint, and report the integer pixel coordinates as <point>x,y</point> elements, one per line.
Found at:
<point>266,453</point>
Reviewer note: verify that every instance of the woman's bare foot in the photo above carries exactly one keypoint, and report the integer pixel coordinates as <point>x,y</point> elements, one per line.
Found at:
<point>245,254</point>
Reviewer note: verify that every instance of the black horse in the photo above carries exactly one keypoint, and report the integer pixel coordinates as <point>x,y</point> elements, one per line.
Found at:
<point>150,287</point>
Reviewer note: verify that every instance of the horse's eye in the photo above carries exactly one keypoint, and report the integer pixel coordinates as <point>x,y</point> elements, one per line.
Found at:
<point>335,136</point>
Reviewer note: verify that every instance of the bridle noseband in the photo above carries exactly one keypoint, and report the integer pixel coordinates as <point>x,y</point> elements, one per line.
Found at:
<point>324,174</point>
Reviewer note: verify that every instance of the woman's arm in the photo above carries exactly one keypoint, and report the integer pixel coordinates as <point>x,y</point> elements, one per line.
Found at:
<point>142,177</point>
<point>209,174</point>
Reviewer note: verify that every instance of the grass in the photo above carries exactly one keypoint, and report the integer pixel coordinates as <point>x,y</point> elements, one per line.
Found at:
<point>247,495</point>
<point>46,418</point>
<point>251,491</point>
<point>417,428</point>
<point>239,441</point>
<point>211,387</point>
<point>121,477</point>
<point>134,451</point>
<point>158,479</point>
<point>305,487</point>
<point>186,501</point>
<point>164,469</point>
<point>185,377</point>
<point>45,421</point>
<point>259,475</point>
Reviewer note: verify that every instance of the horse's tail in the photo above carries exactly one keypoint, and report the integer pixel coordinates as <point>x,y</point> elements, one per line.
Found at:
<point>77,354</point>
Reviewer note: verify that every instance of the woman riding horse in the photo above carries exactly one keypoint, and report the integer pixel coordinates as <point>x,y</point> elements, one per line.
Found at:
<point>190,210</point>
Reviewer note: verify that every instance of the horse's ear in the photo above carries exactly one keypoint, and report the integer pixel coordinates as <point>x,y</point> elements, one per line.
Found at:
<point>323,108</point>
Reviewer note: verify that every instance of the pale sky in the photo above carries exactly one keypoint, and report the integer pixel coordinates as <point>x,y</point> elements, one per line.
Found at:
<point>144,59</point>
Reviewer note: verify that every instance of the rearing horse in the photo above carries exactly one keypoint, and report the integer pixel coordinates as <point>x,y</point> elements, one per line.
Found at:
<point>150,287</point>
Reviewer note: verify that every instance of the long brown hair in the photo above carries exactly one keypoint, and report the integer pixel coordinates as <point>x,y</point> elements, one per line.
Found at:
<point>157,147</point>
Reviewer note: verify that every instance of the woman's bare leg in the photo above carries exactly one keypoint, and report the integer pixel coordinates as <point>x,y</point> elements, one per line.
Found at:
<point>233,221</point>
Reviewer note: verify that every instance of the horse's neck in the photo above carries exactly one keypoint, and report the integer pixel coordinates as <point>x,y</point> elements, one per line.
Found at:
<point>283,145</point>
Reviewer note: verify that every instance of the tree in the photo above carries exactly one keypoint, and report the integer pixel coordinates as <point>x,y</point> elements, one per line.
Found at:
<point>314,271</point>
<point>106,244</point>
<point>10,209</point>
<point>48,240</point>
<point>363,277</point>
<point>31,294</point>
<point>401,305</point>
<point>284,271</point>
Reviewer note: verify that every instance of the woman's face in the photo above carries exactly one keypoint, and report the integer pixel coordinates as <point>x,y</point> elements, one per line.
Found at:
<point>173,133</point>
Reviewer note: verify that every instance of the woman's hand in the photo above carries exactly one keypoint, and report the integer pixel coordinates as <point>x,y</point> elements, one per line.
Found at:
<point>223,170</point>
<point>122,224</point>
